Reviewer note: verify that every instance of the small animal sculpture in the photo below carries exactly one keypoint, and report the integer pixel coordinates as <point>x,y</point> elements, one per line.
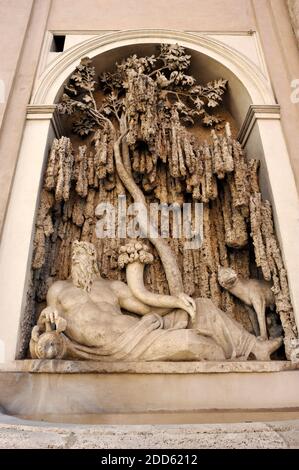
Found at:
<point>253,292</point>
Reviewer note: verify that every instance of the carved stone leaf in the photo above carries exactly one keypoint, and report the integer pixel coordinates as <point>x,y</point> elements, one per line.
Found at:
<point>83,126</point>
<point>209,120</point>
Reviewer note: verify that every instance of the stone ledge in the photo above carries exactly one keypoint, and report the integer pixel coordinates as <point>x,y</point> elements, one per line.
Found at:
<point>67,387</point>
<point>93,367</point>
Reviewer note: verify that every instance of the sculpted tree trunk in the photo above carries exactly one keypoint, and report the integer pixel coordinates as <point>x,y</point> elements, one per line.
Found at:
<point>170,265</point>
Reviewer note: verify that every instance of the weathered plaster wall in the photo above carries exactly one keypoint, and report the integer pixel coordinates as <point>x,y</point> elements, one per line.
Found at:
<point>14,18</point>
<point>282,58</point>
<point>197,15</point>
<point>22,28</point>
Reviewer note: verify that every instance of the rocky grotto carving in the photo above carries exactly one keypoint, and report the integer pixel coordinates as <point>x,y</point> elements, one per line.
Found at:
<point>146,134</point>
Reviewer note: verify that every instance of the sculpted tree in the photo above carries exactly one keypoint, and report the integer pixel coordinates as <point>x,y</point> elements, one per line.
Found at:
<point>141,91</point>
<point>146,102</point>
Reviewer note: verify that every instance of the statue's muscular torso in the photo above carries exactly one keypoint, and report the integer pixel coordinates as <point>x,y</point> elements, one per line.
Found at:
<point>95,317</point>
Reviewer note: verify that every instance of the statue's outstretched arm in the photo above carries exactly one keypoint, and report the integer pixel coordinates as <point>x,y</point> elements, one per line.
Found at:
<point>134,256</point>
<point>133,305</point>
<point>53,293</point>
<point>128,302</point>
<point>47,340</point>
<point>51,314</point>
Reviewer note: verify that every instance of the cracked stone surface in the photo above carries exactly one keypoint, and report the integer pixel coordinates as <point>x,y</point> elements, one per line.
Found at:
<point>19,434</point>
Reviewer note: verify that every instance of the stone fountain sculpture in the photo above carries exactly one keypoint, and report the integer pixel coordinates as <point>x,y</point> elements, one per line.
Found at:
<point>140,124</point>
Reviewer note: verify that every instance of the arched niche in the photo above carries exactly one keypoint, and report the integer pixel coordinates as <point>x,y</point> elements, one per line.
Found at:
<point>212,58</point>
<point>247,84</point>
<point>250,101</point>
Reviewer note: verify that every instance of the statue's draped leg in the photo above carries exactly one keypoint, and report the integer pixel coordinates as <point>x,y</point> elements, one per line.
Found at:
<point>214,336</point>
<point>212,322</point>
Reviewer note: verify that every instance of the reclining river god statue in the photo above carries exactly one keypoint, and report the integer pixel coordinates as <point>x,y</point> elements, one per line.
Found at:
<point>88,317</point>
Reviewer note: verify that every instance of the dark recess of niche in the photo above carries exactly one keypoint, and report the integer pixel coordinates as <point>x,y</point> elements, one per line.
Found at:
<point>58,43</point>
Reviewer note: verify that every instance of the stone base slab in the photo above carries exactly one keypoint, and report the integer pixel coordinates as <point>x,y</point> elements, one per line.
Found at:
<point>44,389</point>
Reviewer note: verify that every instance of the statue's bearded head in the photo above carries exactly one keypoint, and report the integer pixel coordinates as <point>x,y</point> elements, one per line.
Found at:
<point>84,265</point>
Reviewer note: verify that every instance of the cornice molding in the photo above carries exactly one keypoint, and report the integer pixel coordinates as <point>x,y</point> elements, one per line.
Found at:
<point>255,112</point>
<point>46,112</point>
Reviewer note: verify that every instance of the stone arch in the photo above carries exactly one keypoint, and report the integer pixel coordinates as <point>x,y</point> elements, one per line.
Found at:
<point>246,78</point>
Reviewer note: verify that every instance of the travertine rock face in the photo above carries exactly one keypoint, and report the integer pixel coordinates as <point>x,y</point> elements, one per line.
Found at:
<point>137,144</point>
